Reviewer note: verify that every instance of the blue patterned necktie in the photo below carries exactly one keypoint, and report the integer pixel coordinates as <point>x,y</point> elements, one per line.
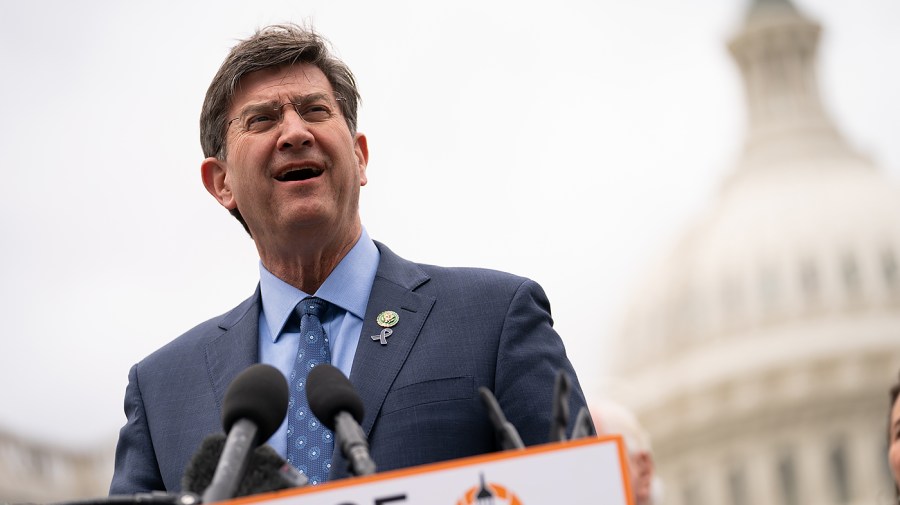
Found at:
<point>309,443</point>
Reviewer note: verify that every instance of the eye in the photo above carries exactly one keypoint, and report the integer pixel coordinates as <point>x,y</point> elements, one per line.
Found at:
<point>259,121</point>
<point>316,112</point>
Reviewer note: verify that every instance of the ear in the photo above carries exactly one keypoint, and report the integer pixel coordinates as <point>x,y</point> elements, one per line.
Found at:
<point>361,148</point>
<point>643,478</point>
<point>214,173</point>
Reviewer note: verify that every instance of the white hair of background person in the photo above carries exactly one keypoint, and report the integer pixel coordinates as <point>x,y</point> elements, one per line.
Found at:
<point>613,419</point>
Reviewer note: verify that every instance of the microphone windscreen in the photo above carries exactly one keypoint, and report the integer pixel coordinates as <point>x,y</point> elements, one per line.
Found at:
<point>266,472</point>
<point>259,394</point>
<point>329,393</point>
<point>265,469</point>
<point>203,463</point>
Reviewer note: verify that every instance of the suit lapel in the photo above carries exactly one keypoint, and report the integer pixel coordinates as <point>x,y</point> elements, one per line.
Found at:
<point>235,348</point>
<point>375,366</point>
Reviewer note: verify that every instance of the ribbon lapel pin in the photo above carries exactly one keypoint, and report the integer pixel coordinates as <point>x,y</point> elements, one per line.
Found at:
<point>386,320</point>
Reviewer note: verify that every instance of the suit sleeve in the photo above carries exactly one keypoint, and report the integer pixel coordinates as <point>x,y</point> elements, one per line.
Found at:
<point>529,356</point>
<point>136,469</point>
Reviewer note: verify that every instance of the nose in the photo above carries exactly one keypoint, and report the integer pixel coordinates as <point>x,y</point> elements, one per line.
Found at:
<point>294,132</point>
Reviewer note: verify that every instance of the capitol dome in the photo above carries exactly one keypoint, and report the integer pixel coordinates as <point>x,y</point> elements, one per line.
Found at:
<point>759,351</point>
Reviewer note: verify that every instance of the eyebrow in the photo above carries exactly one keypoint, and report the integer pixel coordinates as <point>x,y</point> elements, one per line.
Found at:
<point>272,104</point>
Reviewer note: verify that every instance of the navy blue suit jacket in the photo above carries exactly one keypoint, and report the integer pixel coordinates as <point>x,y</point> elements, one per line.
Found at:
<point>459,329</point>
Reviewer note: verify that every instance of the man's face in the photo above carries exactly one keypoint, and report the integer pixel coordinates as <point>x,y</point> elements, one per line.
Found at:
<point>292,175</point>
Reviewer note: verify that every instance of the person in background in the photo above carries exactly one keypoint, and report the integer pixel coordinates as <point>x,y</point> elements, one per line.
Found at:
<point>894,437</point>
<point>613,419</point>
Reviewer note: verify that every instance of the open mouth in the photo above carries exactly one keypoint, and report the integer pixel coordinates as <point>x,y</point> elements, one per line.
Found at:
<point>299,174</point>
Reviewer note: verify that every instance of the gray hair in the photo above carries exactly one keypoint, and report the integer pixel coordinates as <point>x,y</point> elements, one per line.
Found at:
<point>271,47</point>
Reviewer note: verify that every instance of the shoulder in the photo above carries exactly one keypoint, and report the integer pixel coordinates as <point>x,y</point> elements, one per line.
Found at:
<point>425,277</point>
<point>481,279</point>
<point>491,290</point>
<point>185,348</point>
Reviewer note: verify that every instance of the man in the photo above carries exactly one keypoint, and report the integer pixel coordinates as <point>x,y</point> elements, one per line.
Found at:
<point>278,128</point>
<point>613,419</point>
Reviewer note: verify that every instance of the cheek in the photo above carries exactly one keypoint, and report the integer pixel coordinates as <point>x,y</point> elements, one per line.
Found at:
<point>894,459</point>
<point>249,151</point>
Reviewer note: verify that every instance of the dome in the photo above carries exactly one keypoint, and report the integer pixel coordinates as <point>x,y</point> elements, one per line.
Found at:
<point>777,248</point>
<point>758,351</point>
<point>802,226</point>
<point>788,268</point>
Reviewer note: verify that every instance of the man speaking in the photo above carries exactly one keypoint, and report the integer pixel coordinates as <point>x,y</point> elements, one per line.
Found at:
<point>278,128</point>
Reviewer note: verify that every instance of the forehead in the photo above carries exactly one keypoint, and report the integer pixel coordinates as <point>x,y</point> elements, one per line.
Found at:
<point>279,83</point>
<point>895,412</point>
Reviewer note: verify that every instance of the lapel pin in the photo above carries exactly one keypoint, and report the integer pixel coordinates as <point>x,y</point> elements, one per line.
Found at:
<point>385,333</point>
<point>387,319</point>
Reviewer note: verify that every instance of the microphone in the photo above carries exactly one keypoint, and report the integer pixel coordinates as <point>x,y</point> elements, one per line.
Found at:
<point>153,498</point>
<point>254,407</point>
<point>506,432</point>
<point>584,425</point>
<point>266,470</point>
<point>336,404</point>
<point>560,419</point>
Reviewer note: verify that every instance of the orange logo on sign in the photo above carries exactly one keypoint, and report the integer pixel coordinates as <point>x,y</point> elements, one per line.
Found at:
<point>489,493</point>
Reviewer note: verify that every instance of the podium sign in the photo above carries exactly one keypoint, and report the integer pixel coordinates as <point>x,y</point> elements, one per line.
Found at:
<point>581,472</point>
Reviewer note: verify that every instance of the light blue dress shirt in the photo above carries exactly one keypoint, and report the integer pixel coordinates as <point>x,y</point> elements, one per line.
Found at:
<point>347,289</point>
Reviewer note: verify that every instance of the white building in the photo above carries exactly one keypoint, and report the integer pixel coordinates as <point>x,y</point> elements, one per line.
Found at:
<point>759,353</point>
<point>38,472</point>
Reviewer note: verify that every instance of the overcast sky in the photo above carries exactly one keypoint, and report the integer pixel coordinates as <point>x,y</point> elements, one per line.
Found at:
<point>565,141</point>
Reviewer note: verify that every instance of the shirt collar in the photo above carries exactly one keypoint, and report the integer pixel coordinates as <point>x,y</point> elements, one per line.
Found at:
<point>348,286</point>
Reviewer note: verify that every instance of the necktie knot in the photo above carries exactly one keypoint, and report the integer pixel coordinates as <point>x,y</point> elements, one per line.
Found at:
<point>312,306</point>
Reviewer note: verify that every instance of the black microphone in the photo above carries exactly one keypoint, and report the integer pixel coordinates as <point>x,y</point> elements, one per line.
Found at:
<point>560,420</point>
<point>154,498</point>
<point>336,404</point>
<point>506,432</point>
<point>584,425</point>
<point>266,470</point>
<point>254,407</point>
